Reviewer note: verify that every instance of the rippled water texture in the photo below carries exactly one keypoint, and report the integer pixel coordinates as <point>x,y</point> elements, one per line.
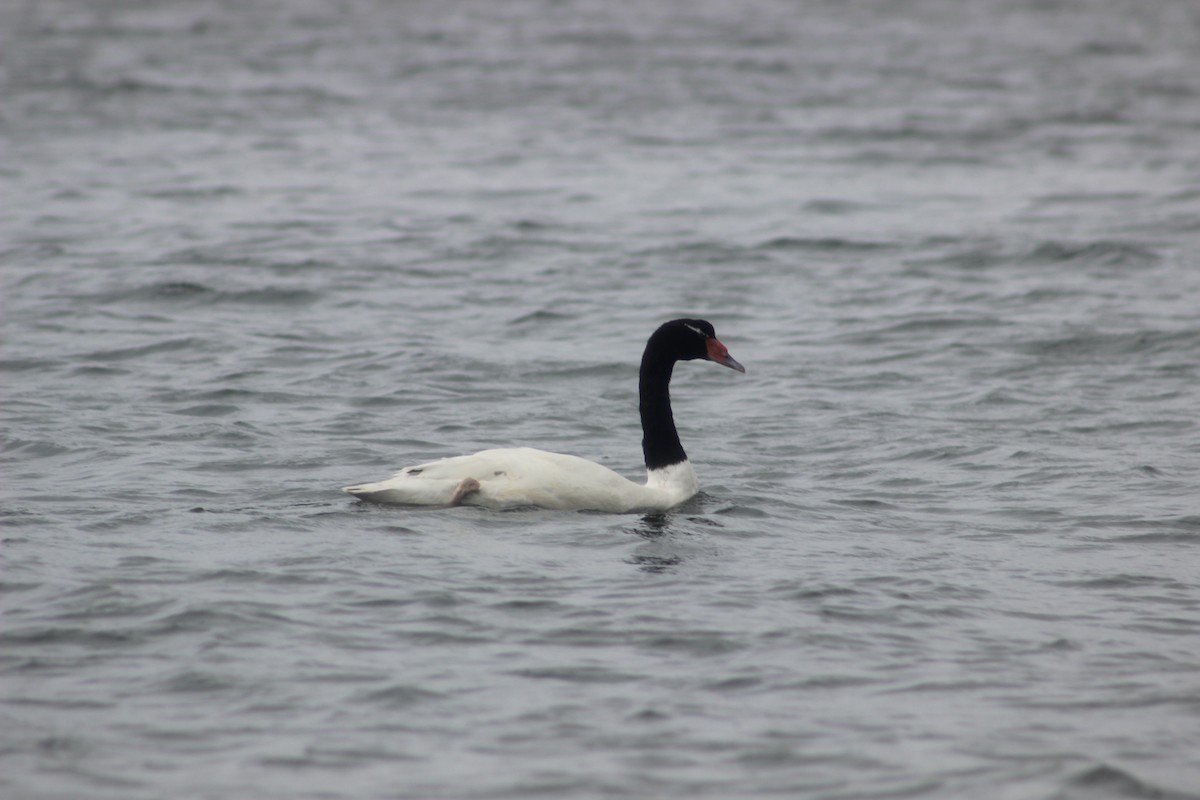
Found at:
<point>948,539</point>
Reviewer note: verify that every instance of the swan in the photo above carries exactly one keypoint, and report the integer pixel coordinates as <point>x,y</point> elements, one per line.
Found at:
<point>522,476</point>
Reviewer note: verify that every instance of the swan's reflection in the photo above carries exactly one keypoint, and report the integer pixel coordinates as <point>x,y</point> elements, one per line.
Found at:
<point>655,528</point>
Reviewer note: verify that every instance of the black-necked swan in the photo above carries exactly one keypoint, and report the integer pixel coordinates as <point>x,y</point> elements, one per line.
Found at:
<point>522,476</point>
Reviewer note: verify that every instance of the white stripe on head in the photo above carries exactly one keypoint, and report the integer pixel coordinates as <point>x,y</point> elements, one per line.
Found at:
<point>697,330</point>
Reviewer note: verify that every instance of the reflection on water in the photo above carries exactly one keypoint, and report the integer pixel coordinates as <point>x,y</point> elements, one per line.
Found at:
<point>656,530</point>
<point>653,526</point>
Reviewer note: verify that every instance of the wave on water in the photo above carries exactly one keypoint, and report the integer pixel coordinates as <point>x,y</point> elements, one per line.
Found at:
<point>1108,782</point>
<point>176,293</point>
<point>988,255</point>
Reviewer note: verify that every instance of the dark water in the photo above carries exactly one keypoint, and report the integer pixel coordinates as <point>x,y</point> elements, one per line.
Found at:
<point>949,539</point>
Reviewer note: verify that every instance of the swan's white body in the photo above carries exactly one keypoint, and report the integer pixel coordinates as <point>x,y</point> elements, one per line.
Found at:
<point>522,476</point>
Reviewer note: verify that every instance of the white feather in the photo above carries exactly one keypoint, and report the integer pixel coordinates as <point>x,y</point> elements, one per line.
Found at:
<point>523,476</point>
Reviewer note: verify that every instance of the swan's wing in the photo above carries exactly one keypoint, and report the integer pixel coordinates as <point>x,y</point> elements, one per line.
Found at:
<point>508,478</point>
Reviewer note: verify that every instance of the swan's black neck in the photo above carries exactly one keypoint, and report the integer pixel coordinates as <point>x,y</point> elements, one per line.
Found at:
<point>660,440</point>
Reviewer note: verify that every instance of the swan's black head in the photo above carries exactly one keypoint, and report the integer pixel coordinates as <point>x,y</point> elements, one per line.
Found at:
<point>688,339</point>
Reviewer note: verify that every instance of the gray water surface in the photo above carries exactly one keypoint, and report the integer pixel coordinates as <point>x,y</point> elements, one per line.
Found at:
<point>948,543</point>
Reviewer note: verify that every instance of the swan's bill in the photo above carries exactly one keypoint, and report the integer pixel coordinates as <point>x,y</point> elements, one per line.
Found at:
<point>720,354</point>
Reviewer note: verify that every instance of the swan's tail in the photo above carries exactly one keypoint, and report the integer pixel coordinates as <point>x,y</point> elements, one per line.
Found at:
<point>411,491</point>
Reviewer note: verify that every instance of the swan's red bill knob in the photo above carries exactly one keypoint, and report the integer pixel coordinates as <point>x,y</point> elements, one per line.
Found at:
<point>720,353</point>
